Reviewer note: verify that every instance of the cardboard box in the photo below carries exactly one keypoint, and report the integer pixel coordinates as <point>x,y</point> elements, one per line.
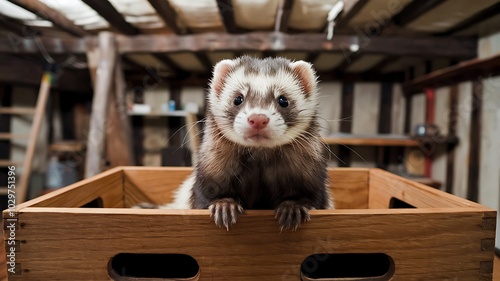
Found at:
<point>384,228</point>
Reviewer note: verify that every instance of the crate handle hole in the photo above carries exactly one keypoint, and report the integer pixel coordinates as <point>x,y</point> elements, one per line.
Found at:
<point>396,203</point>
<point>338,267</point>
<point>125,266</point>
<point>96,203</point>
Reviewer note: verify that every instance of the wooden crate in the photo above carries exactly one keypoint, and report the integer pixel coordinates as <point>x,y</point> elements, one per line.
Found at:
<point>443,238</point>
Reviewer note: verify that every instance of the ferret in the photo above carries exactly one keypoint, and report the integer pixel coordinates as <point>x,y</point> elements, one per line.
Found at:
<point>261,147</point>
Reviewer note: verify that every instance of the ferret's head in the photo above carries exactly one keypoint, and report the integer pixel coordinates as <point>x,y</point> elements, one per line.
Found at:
<point>263,102</point>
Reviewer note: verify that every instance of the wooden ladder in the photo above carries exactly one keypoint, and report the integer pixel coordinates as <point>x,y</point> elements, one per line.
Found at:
<point>38,112</point>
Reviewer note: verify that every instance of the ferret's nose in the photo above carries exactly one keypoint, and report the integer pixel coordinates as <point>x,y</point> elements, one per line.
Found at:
<point>258,121</point>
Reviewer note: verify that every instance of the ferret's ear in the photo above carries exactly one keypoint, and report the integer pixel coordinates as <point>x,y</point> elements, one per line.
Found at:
<point>221,71</point>
<point>305,74</point>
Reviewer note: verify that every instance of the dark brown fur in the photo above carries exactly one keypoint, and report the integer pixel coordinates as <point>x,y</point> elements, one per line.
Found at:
<point>289,179</point>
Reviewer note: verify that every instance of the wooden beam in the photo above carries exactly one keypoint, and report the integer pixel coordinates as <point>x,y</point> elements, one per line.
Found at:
<point>105,9</point>
<point>226,11</point>
<point>307,42</point>
<point>53,45</point>
<point>351,8</point>
<point>167,14</point>
<point>475,19</point>
<point>104,78</point>
<point>428,47</point>
<point>45,12</point>
<point>414,10</point>
<point>41,105</point>
<point>283,15</point>
<point>346,114</point>
<point>467,70</point>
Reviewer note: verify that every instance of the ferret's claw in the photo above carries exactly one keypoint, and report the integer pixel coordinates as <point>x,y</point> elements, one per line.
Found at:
<point>225,212</point>
<point>291,214</point>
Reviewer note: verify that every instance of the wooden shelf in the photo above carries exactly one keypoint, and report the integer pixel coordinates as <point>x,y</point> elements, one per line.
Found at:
<point>6,163</point>
<point>177,113</point>
<point>468,70</point>
<point>9,136</point>
<point>17,110</point>
<point>4,190</point>
<point>374,140</point>
<point>386,140</point>
<point>67,146</point>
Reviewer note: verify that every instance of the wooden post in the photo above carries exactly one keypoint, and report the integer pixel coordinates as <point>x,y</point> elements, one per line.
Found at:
<point>41,103</point>
<point>102,88</point>
<point>119,150</point>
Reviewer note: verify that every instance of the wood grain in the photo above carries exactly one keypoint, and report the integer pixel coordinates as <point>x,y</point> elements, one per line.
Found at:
<point>444,238</point>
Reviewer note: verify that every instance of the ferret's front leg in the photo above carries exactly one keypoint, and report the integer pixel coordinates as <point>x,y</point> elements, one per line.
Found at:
<point>291,214</point>
<point>225,212</point>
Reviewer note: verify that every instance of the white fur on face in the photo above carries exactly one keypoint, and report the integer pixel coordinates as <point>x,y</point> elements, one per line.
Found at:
<point>277,131</point>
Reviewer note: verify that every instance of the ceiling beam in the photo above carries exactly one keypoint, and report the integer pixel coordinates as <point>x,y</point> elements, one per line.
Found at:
<point>226,11</point>
<point>283,15</point>
<point>414,10</point>
<point>351,8</point>
<point>450,47</point>
<point>481,16</point>
<point>16,26</point>
<point>426,47</point>
<point>167,14</point>
<point>45,12</point>
<point>106,10</point>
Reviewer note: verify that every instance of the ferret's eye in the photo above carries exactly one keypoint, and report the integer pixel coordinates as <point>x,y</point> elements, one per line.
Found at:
<point>238,100</point>
<point>282,101</point>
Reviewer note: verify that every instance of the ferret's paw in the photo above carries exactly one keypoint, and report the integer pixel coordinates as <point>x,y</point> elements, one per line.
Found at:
<point>291,215</point>
<point>225,212</point>
<point>145,205</point>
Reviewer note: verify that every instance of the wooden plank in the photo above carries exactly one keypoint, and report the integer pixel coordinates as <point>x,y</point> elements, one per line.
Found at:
<point>414,10</point>
<point>45,12</point>
<point>167,14</point>
<point>193,134</point>
<point>414,157</point>
<point>398,107</point>
<point>107,185</point>
<point>18,110</point>
<point>475,140</point>
<point>384,186</point>
<point>429,258</point>
<point>365,141</point>
<point>41,104</point>
<point>481,16</point>
<point>95,146</point>
<point>106,10</point>
<point>445,47</point>
<point>8,136</point>
<point>6,163</point>
<point>119,150</point>
<point>283,15</point>
<point>226,11</point>
<point>467,70</point>
<point>307,42</point>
